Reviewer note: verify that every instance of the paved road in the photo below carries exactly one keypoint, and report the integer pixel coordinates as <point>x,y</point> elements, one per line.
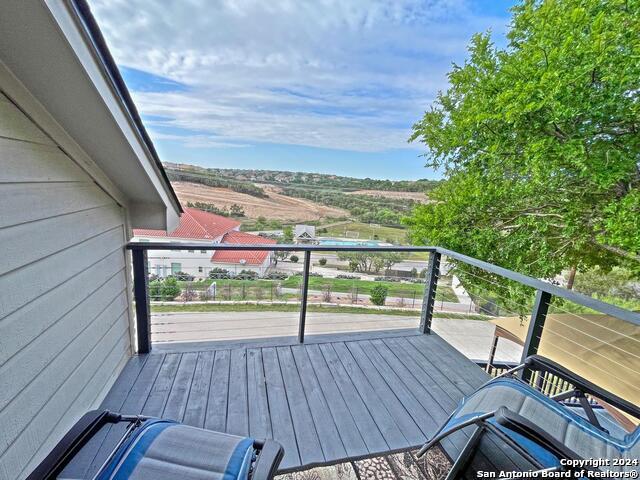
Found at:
<point>471,337</point>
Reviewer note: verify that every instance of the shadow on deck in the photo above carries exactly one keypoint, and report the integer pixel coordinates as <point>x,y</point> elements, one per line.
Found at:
<point>322,401</point>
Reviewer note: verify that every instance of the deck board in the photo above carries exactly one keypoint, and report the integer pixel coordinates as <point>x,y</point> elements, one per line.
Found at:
<point>358,409</point>
<point>179,393</point>
<point>395,403</point>
<point>216,418</point>
<point>259,419</point>
<point>323,402</point>
<point>305,429</point>
<point>328,435</point>
<point>349,433</point>
<point>196,407</point>
<point>157,399</point>
<point>238,403</point>
<point>281,421</point>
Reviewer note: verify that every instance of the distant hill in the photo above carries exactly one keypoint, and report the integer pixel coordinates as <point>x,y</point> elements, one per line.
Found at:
<point>366,200</point>
<point>278,177</point>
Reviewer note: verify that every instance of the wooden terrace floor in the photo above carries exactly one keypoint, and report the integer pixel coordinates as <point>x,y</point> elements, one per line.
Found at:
<point>322,401</point>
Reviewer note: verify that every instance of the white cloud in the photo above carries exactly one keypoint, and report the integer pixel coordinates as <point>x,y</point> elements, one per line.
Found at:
<point>328,73</point>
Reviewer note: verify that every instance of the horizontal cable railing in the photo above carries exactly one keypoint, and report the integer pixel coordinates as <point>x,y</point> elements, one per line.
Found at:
<point>450,286</point>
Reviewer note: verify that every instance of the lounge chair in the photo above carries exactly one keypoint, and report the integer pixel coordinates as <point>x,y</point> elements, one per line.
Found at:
<point>543,431</point>
<point>163,449</point>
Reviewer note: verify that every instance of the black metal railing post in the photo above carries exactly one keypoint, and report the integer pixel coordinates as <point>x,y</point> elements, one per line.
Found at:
<point>536,326</point>
<point>304,295</point>
<point>141,296</point>
<point>429,300</point>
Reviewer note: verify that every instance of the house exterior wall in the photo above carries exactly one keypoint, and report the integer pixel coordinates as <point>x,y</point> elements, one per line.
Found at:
<point>65,309</point>
<point>193,262</point>
<point>163,263</point>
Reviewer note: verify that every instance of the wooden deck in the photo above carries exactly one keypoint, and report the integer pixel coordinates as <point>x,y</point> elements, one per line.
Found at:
<point>323,401</point>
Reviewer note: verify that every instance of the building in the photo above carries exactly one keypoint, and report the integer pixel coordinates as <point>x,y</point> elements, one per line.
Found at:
<point>235,261</point>
<point>78,173</point>
<point>198,227</point>
<point>304,234</point>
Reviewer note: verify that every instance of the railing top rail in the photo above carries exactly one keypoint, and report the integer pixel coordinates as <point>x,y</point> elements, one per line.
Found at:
<point>554,290</point>
<point>276,247</point>
<point>578,298</point>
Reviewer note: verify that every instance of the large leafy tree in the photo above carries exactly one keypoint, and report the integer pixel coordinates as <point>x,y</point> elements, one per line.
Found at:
<point>540,142</point>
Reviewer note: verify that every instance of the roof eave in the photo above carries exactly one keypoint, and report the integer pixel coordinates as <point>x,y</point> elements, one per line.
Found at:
<point>56,53</point>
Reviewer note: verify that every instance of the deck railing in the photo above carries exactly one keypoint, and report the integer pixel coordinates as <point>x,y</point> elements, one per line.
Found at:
<point>543,293</point>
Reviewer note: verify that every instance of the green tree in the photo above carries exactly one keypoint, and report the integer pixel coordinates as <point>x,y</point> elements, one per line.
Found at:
<point>236,210</point>
<point>618,282</point>
<point>370,261</point>
<point>287,234</point>
<point>540,142</point>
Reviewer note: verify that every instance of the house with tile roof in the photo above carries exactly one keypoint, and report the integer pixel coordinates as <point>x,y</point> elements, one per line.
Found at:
<point>200,227</point>
<point>237,260</point>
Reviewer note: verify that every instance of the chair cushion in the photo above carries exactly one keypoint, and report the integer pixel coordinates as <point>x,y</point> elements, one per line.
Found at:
<point>564,424</point>
<point>164,450</point>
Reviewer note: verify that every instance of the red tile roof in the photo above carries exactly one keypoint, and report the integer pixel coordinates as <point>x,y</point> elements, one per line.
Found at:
<point>250,257</point>
<point>195,224</point>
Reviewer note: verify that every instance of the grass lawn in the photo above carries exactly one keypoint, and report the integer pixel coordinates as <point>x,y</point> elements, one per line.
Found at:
<point>367,232</point>
<point>338,285</point>
<point>248,307</point>
<point>221,283</point>
<point>396,289</point>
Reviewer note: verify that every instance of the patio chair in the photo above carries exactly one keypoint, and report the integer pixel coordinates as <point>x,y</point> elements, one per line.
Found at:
<point>156,449</point>
<point>547,433</point>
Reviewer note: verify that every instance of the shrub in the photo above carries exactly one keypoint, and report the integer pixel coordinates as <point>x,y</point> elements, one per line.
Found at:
<point>348,277</point>
<point>155,290</point>
<point>182,276</point>
<point>247,275</point>
<point>170,289</point>
<point>378,295</point>
<point>294,258</point>
<point>315,274</point>
<point>322,261</point>
<point>414,272</point>
<point>276,276</point>
<point>218,272</point>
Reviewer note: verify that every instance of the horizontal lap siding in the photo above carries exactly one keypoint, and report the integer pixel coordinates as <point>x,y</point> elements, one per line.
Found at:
<point>64,309</point>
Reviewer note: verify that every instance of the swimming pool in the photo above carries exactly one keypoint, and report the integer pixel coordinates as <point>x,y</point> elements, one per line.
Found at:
<point>350,243</point>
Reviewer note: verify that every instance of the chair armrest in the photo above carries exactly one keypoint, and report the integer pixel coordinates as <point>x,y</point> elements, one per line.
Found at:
<point>540,363</point>
<point>271,453</point>
<point>71,443</point>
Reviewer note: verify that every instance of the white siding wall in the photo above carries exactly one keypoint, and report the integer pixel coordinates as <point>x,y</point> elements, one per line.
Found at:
<point>190,262</point>
<point>64,308</point>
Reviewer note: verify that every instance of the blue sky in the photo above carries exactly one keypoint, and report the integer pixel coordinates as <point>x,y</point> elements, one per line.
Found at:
<point>327,86</point>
